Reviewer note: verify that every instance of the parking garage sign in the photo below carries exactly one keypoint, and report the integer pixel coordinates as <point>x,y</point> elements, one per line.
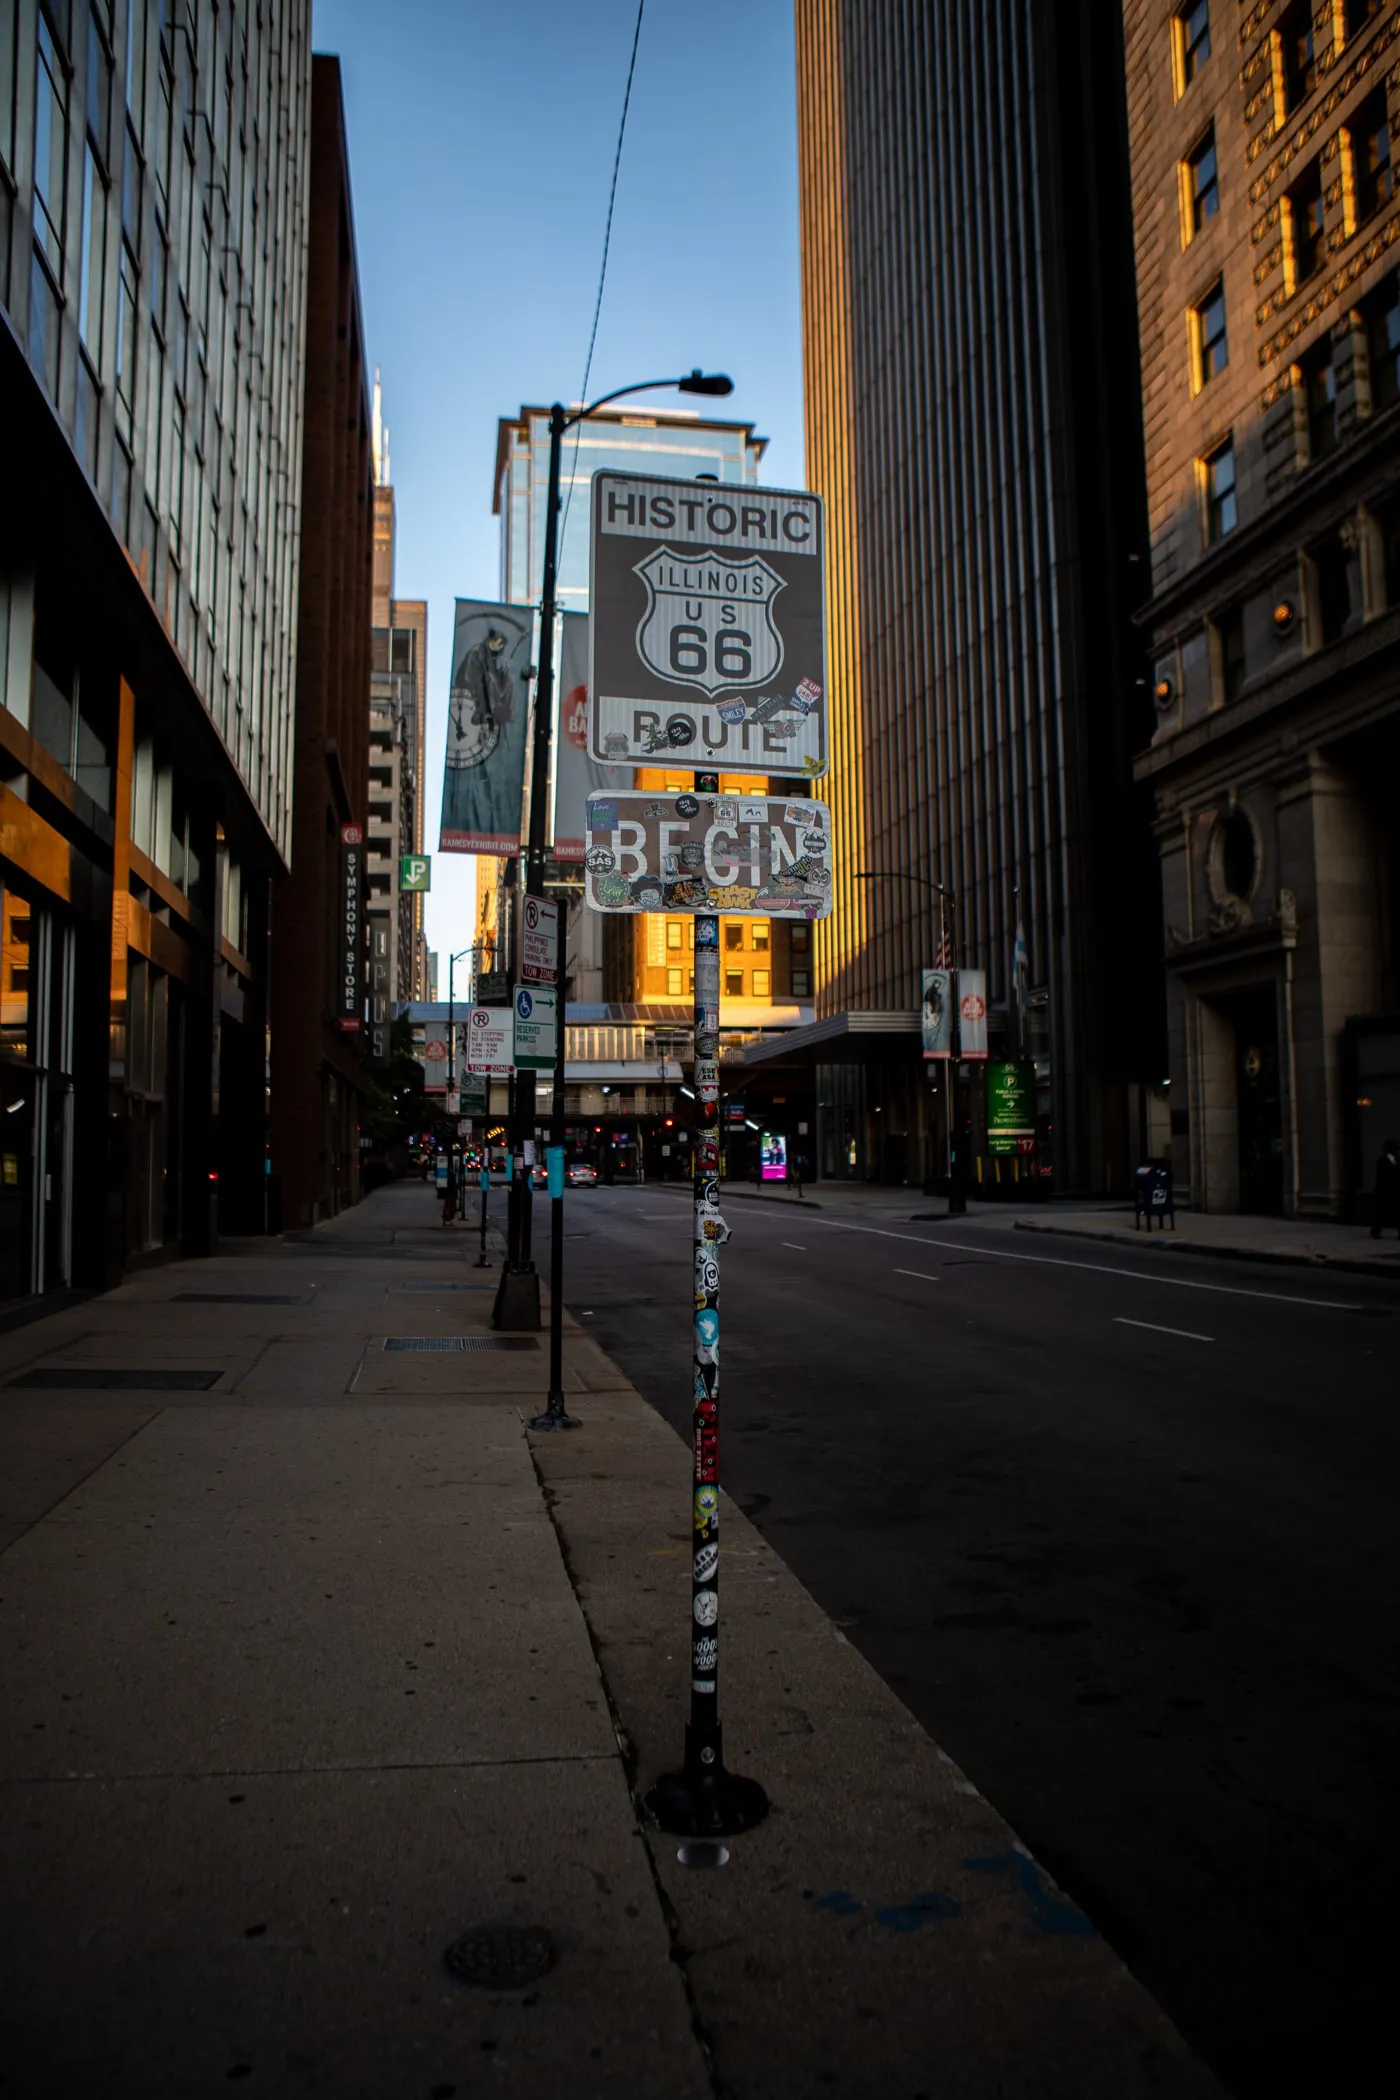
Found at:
<point>707,626</point>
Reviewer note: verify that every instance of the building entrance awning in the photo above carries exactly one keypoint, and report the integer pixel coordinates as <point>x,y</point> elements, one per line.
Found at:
<point>854,1038</point>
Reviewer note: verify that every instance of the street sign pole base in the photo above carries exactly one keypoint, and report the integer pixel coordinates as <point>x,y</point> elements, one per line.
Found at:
<point>517,1300</point>
<point>705,1801</point>
<point>554,1416</point>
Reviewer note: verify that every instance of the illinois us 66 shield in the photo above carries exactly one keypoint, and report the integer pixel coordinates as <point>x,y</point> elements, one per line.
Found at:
<point>707,629</point>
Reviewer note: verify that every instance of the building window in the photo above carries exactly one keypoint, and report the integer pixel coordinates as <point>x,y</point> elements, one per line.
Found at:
<point>1218,490</point>
<point>1191,38</point>
<point>1238,856</point>
<point>762,982</point>
<point>761,935</point>
<point>733,933</point>
<point>1306,221</point>
<point>1356,14</point>
<point>50,152</point>
<point>1229,630</point>
<point>1332,570</point>
<point>674,934</point>
<point>733,984</point>
<point>93,258</point>
<point>1320,397</point>
<point>801,984</point>
<point>1201,185</point>
<point>673,981</point>
<point>1383,343</point>
<point>1295,59</point>
<point>800,937</point>
<point>1372,173</point>
<point>1212,349</point>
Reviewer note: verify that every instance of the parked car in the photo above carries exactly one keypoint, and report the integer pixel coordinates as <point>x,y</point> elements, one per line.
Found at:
<point>580,1175</point>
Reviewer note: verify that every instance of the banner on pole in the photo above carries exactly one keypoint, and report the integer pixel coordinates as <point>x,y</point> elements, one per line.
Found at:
<point>972,1013</point>
<point>936,1013</point>
<point>1010,1108</point>
<point>483,785</point>
<point>748,856</point>
<point>576,775</point>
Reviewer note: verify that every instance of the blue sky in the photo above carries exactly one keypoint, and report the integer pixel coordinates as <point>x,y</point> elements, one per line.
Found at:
<point>481,149</point>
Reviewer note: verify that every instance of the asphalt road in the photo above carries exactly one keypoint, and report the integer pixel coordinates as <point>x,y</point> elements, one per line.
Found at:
<point>1121,1531</point>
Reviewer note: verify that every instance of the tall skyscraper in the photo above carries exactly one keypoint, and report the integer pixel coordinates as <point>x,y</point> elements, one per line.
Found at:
<point>153,231</point>
<point>1268,228</point>
<point>973,423</point>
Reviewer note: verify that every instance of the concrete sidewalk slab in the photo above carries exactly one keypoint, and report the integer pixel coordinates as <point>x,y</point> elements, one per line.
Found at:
<point>884,1931</point>
<point>1286,1241</point>
<point>284,1934</point>
<point>299,1682</point>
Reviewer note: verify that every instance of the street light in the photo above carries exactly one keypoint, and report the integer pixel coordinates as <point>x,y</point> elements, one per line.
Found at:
<point>957,1165</point>
<point>518,1299</point>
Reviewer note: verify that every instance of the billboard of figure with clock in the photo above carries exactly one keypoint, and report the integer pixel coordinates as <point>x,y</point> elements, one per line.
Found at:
<point>484,778</point>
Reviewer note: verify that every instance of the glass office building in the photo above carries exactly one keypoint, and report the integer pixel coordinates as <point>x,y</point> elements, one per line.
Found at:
<point>152,281</point>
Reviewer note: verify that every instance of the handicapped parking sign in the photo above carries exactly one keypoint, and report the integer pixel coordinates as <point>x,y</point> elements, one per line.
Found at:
<point>536,1021</point>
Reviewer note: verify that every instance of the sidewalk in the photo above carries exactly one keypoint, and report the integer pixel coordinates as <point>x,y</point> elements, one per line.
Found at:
<point>313,1658</point>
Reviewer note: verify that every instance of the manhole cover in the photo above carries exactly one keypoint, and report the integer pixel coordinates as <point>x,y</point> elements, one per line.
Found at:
<point>73,1380</point>
<point>234,1298</point>
<point>501,1957</point>
<point>440,1342</point>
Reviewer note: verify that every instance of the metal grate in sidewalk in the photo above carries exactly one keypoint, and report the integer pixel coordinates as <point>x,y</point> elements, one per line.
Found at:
<point>444,1286</point>
<point>442,1342</point>
<point>236,1298</point>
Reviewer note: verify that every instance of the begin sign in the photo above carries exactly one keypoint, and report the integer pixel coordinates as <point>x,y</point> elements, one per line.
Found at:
<point>755,856</point>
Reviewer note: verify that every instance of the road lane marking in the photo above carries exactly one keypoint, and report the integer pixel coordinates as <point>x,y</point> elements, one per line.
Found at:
<point>794,1246</point>
<point>919,1273</point>
<point>1093,1268</point>
<point>1184,1332</point>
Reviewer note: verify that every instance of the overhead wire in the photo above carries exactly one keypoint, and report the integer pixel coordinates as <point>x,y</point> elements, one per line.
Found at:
<point>603,269</point>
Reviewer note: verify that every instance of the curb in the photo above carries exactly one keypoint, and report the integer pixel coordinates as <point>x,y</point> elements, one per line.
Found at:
<point>1276,1257</point>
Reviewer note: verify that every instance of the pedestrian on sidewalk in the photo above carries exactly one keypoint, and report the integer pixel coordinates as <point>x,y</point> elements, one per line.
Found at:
<point>1385,1208</point>
<point>449,1198</point>
<point>795,1166</point>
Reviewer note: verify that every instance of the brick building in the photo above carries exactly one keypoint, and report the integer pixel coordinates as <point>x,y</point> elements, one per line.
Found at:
<point>1268,266</point>
<point>318,1032</point>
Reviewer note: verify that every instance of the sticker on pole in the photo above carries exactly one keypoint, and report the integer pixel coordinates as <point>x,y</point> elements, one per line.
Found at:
<point>751,857</point>
<point>535,1016</point>
<point>706,626</point>
<point>488,1038</point>
<point>539,947</point>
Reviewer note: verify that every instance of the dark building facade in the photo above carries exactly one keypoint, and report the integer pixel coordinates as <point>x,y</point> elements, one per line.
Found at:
<point>974,425</point>
<point>1268,262</point>
<point>319,1039</point>
<point>152,249</point>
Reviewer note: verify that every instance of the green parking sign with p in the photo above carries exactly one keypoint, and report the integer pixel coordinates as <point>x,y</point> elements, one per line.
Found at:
<point>416,871</point>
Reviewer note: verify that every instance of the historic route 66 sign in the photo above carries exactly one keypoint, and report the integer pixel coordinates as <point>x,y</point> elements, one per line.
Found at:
<point>709,622</point>
<point>706,626</point>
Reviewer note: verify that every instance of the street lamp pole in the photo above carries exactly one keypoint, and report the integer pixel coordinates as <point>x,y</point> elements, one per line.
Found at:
<point>518,1297</point>
<point>957,1165</point>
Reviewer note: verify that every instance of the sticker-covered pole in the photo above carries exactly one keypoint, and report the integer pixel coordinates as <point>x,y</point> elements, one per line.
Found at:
<point>703,1799</point>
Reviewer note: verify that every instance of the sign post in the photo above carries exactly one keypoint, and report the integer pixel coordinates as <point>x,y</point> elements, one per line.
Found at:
<point>707,649</point>
<point>704,1799</point>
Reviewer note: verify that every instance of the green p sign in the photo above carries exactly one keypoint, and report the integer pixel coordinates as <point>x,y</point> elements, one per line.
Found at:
<point>416,871</point>
<point>1010,1108</point>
